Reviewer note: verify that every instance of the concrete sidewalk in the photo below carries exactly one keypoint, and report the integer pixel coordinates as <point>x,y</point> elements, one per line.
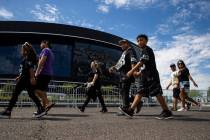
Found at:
<point>69,124</point>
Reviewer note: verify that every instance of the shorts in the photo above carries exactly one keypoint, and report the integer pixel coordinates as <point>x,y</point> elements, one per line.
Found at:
<point>148,86</point>
<point>42,82</point>
<point>185,85</point>
<point>176,92</point>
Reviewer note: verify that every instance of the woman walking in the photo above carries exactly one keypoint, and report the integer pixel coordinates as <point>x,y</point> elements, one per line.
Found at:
<point>25,80</point>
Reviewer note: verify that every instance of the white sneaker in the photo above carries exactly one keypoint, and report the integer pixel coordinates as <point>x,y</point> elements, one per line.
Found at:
<point>199,106</point>
<point>182,109</point>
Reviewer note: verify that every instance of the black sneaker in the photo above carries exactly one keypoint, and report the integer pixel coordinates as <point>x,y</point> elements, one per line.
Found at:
<point>104,110</point>
<point>128,112</point>
<point>167,114</point>
<point>188,105</point>
<point>40,113</point>
<point>5,114</point>
<point>81,109</point>
<point>139,106</point>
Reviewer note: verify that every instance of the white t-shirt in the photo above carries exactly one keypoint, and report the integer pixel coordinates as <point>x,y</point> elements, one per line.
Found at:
<point>174,79</point>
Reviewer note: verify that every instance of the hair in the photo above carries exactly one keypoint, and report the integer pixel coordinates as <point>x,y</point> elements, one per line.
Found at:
<point>47,42</point>
<point>97,65</point>
<point>123,41</point>
<point>182,62</point>
<point>30,52</point>
<point>172,65</point>
<point>142,36</point>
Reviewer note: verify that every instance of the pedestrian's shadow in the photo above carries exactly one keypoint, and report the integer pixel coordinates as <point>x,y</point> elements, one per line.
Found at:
<point>68,115</point>
<point>194,110</point>
<point>24,119</point>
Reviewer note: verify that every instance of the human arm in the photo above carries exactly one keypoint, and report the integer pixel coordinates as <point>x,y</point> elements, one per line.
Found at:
<point>170,83</point>
<point>94,79</point>
<point>194,83</point>
<point>40,65</point>
<point>32,76</point>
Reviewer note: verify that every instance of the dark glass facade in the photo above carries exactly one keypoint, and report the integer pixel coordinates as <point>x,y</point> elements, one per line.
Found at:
<point>73,47</point>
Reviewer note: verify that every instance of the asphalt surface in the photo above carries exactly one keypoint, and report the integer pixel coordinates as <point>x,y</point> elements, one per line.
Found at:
<point>63,123</point>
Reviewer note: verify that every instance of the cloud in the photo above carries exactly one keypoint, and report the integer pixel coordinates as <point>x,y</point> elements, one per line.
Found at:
<point>193,49</point>
<point>186,15</point>
<point>84,23</point>
<point>48,13</point>
<point>129,3</point>
<point>4,13</point>
<point>103,8</point>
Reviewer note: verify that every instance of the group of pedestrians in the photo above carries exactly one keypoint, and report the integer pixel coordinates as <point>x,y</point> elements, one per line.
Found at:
<point>180,81</point>
<point>34,76</point>
<point>135,66</point>
<point>143,72</point>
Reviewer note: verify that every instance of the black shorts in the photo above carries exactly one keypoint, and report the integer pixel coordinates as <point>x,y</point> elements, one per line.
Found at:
<point>176,92</point>
<point>42,82</point>
<point>148,86</point>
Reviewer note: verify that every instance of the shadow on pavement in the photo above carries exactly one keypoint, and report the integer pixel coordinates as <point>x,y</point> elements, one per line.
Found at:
<point>68,115</point>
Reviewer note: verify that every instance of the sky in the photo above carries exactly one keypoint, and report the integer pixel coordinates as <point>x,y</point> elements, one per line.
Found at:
<point>177,29</point>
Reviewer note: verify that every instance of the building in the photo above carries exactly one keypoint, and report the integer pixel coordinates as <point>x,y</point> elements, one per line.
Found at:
<point>74,48</point>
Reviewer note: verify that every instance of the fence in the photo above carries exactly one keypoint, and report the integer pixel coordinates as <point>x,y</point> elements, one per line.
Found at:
<point>71,94</point>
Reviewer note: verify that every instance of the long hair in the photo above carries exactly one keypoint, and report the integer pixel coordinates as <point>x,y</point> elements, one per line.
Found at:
<point>181,62</point>
<point>31,53</point>
<point>96,65</point>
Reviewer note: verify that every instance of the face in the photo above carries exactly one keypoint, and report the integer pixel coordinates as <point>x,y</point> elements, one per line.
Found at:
<point>124,46</point>
<point>92,65</point>
<point>42,45</point>
<point>142,42</point>
<point>180,65</point>
<point>23,52</point>
<point>173,68</point>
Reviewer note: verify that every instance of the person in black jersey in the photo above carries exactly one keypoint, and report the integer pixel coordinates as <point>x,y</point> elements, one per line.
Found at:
<point>124,64</point>
<point>148,83</point>
<point>94,87</point>
<point>25,80</point>
<point>184,77</point>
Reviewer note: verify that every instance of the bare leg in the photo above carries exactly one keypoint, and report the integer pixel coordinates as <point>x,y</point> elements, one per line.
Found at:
<point>175,103</point>
<point>136,101</point>
<point>43,96</point>
<point>183,97</point>
<point>162,102</point>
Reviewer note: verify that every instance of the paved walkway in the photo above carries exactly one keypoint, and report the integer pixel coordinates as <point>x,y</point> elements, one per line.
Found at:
<point>69,124</point>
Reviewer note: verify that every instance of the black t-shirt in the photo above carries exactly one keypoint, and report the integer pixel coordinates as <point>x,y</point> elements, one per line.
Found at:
<point>148,59</point>
<point>25,66</point>
<point>91,76</point>
<point>184,75</point>
<point>128,58</point>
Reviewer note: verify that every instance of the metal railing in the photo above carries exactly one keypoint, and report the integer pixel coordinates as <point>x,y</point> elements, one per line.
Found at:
<point>71,94</point>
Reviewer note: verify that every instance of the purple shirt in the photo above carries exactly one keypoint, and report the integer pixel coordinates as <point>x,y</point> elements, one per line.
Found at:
<point>47,68</point>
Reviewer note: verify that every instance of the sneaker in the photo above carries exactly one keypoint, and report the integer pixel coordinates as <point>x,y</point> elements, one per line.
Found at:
<point>128,112</point>
<point>40,113</point>
<point>188,105</point>
<point>120,114</point>
<point>5,114</point>
<point>182,109</point>
<point>104,110</point>
<point>139,106</point>
<point>165,115</point>
<point>49,107</point>
<point>81,109</point>
<point>199,106</point>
